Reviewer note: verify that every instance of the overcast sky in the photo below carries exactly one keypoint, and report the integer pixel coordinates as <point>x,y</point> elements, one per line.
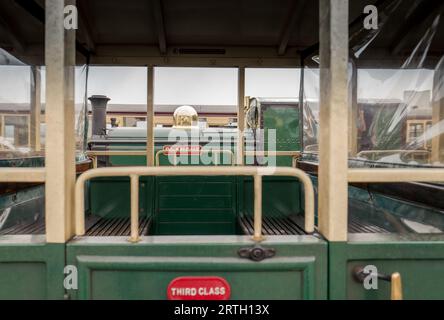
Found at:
<point>210,86</point>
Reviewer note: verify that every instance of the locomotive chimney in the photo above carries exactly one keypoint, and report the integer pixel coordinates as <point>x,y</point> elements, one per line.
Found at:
<point>98,106</point>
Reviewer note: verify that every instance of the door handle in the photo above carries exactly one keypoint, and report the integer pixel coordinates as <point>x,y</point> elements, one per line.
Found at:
<point>394,279</point>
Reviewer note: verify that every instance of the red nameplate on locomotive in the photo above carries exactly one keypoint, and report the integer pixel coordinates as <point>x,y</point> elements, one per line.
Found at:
<point>182,150</point>
<point>198,288</point>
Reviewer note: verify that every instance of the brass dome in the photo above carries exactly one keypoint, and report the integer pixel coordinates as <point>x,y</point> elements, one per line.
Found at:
<point>185,116</point>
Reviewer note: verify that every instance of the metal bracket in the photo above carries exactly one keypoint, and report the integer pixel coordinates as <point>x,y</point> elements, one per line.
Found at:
<point>256,253</point>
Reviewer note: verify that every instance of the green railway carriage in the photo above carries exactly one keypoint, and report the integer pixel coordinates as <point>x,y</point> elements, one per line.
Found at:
<point>331,194</point>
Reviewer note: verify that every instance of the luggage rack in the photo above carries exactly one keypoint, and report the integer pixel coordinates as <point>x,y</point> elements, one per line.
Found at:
<point>358,226</point>
<point>275,226</point>
<point>105,227</point>
<point>97,227</point>
<point>34,227</point>
<point>272,226</point>
<point>118,227</point>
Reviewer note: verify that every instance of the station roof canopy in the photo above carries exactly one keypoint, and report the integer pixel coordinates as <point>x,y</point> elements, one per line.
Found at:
<point>214,32</point>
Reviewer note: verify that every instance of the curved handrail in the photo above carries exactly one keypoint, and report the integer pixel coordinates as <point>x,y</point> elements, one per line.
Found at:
<point>96,153</point>
<point>135,172</point>
<point>375,152</point>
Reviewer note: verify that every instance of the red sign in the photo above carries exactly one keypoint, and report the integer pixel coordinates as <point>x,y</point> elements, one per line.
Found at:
<point>198,288</point>
<point>182,150</point>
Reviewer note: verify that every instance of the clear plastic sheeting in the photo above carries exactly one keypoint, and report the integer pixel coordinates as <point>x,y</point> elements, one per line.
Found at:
<point>81,108</point>
<point>22,112</point>
<point>373,211</point>
<point>396,75</point>
<point>399,116</point>
<point>309,97</point>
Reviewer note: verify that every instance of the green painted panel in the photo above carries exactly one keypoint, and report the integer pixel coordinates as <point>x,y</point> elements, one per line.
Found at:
<point>31,268</point>
<point>207,187</point>
<point>215,215</point>
<point>195,205</point>
<point>281,196</point>
<point>22,280</point>
<point>127,160</point>
<point>148,278</point>
<point>285,120</point>
<point>420,262</point>
<point>195,201</point>
<point>195,228</point>
<point>118,270</point>
<point>110,197</point>
<point>421,278</point>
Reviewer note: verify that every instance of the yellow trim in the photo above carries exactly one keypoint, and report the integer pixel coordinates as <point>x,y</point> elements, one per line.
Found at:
<point>395,175</point>
<point>22,174</point>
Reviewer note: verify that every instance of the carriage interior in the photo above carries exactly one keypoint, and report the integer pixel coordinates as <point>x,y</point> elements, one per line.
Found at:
<point>395,108</point>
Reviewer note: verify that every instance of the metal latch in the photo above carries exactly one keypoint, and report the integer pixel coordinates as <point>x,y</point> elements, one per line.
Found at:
<point>394,279</point>
<point>257,253</point>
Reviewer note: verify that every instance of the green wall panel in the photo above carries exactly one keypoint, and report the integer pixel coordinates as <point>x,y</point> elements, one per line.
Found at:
<point>119,270</point>
<point>195,205</point>
<point>31,268</point>
<point>148,278</point>
<point>110,197</point>
<point>285,120</point>
<point>281,196</point>
<point>419,259</point>
<point>23,280</point>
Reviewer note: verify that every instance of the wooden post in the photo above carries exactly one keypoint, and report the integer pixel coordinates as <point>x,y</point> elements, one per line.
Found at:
<point>60,141</point>
<point>438,114</point>
<point>240,115</point>
<point>333,151</point>
<point>150,118</point>
<point>36,108</point>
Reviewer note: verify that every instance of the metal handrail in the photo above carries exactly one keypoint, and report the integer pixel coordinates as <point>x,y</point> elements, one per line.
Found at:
<point>135,172</point>
<point>213,151</point>
<point>264,153</point>
<point>93,154</point>
<point>373,153</point>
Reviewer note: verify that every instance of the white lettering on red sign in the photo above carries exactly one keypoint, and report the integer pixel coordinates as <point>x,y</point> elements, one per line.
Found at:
<point>182,150</point>
<point>198,288</point>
